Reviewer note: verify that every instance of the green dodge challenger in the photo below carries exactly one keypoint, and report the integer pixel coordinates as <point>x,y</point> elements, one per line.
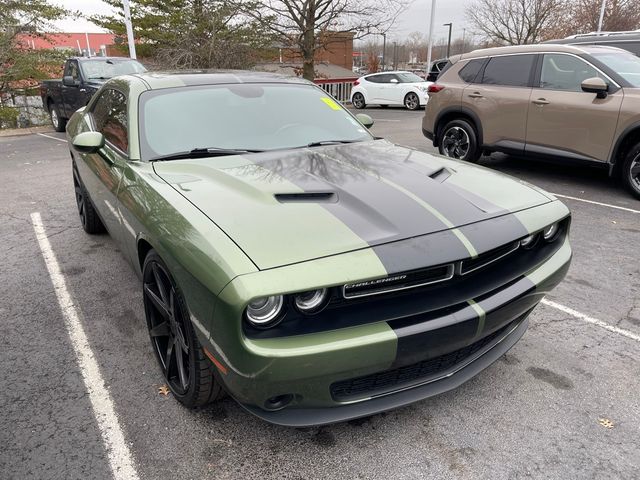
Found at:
<point>288,257</point>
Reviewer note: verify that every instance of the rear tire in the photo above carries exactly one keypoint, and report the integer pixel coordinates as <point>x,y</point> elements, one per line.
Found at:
<point>630,172</point>
<point>358,101</point>
<point>57,121</point>
<point>89,218</point>
<point>458,140</point>
<point>187,371</point>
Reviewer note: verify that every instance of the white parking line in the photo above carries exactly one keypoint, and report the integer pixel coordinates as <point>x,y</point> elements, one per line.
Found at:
<point>52,138</point>
<point>120,458</point>
<point>593,321</point>
<point>597,203</point>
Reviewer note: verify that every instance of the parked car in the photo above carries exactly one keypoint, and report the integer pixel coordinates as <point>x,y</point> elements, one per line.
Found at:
<point>82,77</point>
<point>437,67</point>
<point>558,102</point>
<point>626,40</point>
<point>390,88</point>
<point>289,258</point>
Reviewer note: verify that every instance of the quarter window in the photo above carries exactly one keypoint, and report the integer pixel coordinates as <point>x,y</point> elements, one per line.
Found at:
<point>470,71</point>
<point>110,118</point>
<point>509,70</point>
<point>565,72</point>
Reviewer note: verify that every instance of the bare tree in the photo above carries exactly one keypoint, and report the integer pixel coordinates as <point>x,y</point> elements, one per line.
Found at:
<point>581,16</point>
<point>305,24</point>
<point>514,22</point>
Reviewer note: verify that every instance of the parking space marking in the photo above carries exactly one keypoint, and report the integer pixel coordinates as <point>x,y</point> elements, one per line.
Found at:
<point>52,138</point>
<point>120,458</point>
<point>593,321</point>
<point>597,203</point>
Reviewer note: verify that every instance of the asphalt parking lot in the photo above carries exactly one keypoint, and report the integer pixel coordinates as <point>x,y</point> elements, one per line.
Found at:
<point>563,403</point>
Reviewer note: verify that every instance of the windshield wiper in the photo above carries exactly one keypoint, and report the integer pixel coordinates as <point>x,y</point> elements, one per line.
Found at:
<point>328,142</point>
<point>202,153</point>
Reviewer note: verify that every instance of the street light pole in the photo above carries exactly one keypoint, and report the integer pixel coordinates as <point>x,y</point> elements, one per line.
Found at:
<point>430,40</point>
<point>450,25</point>
<point>604,4</point>
<point>384,48</point>
<point>127,22</point>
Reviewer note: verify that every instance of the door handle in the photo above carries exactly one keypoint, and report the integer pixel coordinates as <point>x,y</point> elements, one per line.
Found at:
<point>476,95</point>
<point>540,101</point>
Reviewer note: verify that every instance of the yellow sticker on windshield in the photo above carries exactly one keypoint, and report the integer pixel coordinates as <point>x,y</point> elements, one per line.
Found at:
<point>331,103</point>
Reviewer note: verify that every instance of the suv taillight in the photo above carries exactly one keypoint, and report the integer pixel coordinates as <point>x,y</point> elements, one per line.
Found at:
<point>435,88</point>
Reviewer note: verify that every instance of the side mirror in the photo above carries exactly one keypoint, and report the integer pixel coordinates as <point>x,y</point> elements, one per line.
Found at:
<point>393,80</point>
<point>365,120</point>
<point>595,85</point>
<point>68,81</point>
<point>88,142</point>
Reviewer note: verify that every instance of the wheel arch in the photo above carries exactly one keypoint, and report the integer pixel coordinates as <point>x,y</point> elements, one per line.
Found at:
<point>629,137</point>
<point>454,113</point>
<point>143,247</point>
<point>360,91</point>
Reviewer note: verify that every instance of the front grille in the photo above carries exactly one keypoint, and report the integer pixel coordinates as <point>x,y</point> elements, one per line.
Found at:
<point>484,259</point>
<point>390,380</point>
<point>403,281</point>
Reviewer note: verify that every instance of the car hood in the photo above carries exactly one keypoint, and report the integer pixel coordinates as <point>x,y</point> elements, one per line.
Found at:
<point>284,207</point>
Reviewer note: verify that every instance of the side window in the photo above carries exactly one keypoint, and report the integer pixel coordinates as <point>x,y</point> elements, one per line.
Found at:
<point>110,118</point>
<point>72,70</point>
<point>375,78</point>
<point>565,72</point>
<point>470,71</point>
<point>509,70</point>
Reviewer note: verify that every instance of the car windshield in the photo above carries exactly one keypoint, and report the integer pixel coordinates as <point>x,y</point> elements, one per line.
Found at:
<point>103,69</point>
<point>624,64</point>
<point>407,77</point>
<point>242,117</point>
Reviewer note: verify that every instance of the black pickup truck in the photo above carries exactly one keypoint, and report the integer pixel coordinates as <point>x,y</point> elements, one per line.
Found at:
<point>82,77</point>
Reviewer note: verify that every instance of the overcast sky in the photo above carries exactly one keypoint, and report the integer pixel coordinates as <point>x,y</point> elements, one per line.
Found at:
<point>416,18</point>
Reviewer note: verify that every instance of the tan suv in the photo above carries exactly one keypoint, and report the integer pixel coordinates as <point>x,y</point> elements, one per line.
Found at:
<point>576,103</point>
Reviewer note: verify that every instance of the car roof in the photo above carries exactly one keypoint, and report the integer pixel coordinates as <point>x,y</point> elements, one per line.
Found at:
<point>103,59</point>
<point>387,72</point>
<point>538,48</point>
<point>157,80</point>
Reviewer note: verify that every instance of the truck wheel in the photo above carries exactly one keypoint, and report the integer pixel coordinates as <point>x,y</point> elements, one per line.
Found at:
<point>56,120</point>
<point>631,171</point>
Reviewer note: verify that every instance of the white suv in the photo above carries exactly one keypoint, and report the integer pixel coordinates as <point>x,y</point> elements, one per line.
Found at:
<point>390,88</point>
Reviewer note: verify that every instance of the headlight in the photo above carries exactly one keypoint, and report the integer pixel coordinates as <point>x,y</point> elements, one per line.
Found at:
<point>262,311</point>
<point>551,232</point>
<point>311,302</point>
<point>529,242</point>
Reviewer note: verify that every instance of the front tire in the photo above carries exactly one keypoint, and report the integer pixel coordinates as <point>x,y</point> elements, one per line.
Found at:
<point>458,140</point>
<point>57,121</point>
<point>187,372</point>
<point>89,218</point>
<point>358,101</point>
<point>631,171</point>
<point>412,101</point>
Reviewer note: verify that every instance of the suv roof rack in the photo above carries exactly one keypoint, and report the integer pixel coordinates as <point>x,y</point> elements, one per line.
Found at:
<point>603,34</point>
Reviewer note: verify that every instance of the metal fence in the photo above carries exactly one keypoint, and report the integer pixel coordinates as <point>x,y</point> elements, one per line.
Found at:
<point>339,88</point>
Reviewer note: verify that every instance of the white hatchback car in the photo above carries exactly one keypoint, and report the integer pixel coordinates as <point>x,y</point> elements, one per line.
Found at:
<point>390,88</point>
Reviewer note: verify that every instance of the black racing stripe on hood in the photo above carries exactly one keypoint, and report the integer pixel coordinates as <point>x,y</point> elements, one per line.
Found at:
<point>494,232</point>
<point>375,211</point>
<point>426,250</point>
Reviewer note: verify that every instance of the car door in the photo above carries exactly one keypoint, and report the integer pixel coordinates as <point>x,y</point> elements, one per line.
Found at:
<point>500,100</point>
<point>563,120</point>
<point>71,94</point>
<point>394,90</point>
<point>102,172</point>
<point>375,87</point>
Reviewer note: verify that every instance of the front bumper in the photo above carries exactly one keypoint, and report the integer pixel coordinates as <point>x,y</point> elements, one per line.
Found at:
<point>308,367</point>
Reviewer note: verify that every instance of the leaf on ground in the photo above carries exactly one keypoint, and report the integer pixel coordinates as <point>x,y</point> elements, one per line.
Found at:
<point>163,390</point>
<point>605,422</point>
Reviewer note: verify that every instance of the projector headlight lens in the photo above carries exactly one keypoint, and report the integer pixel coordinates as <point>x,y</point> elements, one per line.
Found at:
<point>529,242</point>
<point>263,311</point>
<point>551,232</point>
<point>311,302</point>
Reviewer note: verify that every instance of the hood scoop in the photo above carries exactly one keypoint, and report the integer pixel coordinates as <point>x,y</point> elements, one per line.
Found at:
<point>440,175</point>
<point>307,197</point>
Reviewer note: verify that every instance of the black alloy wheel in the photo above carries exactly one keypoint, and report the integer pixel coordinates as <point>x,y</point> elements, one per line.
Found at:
<point>411,101</point>
<point>89,219</point>
<point>187,372</point>
<point>631,171</point>
<point>358,100</point>
<point>458,140</point>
